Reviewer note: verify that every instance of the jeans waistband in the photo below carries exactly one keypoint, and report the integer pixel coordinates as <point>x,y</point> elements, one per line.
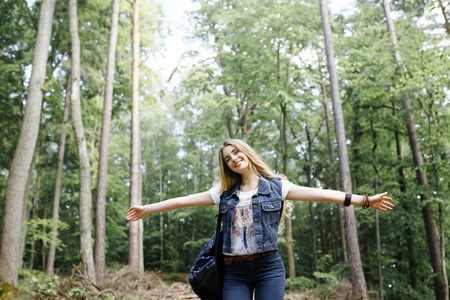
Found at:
<point>231,259</point>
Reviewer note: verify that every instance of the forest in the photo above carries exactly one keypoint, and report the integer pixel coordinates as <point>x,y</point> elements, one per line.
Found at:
<point>355,101</point>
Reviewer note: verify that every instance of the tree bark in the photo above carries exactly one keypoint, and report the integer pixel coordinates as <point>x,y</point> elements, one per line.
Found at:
<point>284,145</point>
<point>57,195</point>
<point>161,217</point>
<point>402,186</point>
<point>444,268</point>
<point>133,260</point>
<point>85,203</point>
<point>357,274</point>
<point>427,212</point>
<point>141,224</point>
<point>377,223</point>
<point>311,209</point>
<point>25,213</point>
<point>35,211</point>
<point>23,156</point>
<point>288,221</point>
<point>100,228</point>
<point>335,180</point>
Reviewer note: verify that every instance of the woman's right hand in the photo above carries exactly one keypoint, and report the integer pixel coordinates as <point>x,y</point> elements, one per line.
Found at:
<point>135,213</point>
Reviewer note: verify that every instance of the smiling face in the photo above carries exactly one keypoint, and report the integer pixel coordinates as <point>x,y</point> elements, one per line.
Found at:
<point>238,160</point>
<point>235,159</point>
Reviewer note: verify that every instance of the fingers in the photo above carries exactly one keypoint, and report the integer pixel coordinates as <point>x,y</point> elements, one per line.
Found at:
<point>384,202</point>
<point>385,205</point>
<point>386,198</point>
<point>132,218</point>
<point>132,215</point>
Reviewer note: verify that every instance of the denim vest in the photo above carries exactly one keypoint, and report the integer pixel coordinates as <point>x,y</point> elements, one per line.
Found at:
<point>267,206</point>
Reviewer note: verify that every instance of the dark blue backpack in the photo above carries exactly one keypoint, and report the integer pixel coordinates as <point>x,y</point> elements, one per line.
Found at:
<point>206,275</point>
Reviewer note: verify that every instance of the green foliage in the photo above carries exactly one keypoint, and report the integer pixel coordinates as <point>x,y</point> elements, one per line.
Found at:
<point>264,59</point>
<point>16,45</point>
<point>41,230</point>
<point>324,291</point>
<point>76,293</point>
<point>329,278</point>
<point>39,284</point>
<point>300,283</point>
<point>175,277</point>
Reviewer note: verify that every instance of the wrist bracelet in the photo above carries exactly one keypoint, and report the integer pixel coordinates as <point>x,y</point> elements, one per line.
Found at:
<point>348,198</point>
<point>366,202</point>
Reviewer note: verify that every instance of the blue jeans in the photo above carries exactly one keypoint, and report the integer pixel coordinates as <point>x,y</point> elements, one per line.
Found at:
<point>264,275</point>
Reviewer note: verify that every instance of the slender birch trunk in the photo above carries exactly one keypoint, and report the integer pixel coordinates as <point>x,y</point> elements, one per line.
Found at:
<point>311,209</point>
<point>85,201</point>
<point>135,141</point>
<point>35,210</point>
<point>403,189</point>
<point>283,138</point>
<point>288,221</point>
<point>25,214</point>
<point>100,226</point>
<point>377,223</point>
<point>335,180</point>
<point>57,195</point>
<point>161,218</point>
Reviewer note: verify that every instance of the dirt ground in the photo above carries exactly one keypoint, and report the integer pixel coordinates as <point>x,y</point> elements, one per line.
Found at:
<point>157,286</point>
<point>124,284</point>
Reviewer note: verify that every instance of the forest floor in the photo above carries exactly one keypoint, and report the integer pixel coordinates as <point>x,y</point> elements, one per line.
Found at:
<point>124,284</point>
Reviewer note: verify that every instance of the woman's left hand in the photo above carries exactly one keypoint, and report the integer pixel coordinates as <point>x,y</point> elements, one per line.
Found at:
<point>381,202</point>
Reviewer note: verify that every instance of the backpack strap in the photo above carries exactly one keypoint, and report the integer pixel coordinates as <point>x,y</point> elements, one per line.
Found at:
<point>219,224</point>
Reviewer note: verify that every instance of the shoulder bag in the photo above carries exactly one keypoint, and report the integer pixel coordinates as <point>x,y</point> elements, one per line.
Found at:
<point>206,276</point>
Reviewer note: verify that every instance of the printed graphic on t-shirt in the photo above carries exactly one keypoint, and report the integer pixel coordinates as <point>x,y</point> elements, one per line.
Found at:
<point>243,232</point>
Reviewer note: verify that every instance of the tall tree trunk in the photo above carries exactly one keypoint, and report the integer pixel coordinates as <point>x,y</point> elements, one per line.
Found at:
<point>357,274</point>
<point>283,138</point>
<point>284,145</point>
<point>85,203</point>
<point>311,210</point>
<point>23,156</point>
<point>57,195</point>
<point>402,186</point>
<point>99,253</point>
<point>377,223</point>
<point>35,211</point>
<point>25,214</point>
<point>161,219</point>
<point>427,212</point>
<point>356,142</point>
<point>335,180</point>
<point>43,256</point>
<point>133,260</point>
<point>288,221</point>
<point>141,224</point>
<point>444,268</point>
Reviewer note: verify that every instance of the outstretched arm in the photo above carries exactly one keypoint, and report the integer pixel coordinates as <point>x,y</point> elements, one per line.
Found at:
<point>137,212</point>
<point>301,193</point>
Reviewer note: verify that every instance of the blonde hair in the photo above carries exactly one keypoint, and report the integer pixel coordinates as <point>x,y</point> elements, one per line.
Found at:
<point>258,168</point>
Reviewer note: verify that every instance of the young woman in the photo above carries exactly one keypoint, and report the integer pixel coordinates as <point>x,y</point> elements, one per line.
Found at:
<point>253,201</point>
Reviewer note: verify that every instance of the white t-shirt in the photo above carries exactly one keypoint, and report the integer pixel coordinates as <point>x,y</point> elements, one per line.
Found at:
<point>243,239</point>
